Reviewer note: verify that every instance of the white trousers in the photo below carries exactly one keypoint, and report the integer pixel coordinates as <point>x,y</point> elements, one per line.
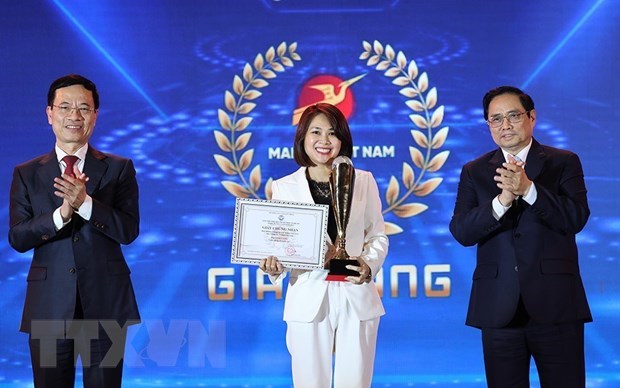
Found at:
<point>312,345</point>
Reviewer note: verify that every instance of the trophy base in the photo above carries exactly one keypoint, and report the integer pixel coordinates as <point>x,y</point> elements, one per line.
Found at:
<point>338,271</point>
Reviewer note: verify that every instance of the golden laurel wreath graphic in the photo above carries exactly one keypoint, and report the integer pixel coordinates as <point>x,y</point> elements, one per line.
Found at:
<point>404,75</point>
<point>235,119</point>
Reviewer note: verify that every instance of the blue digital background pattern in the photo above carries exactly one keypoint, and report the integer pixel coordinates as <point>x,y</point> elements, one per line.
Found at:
<point>162,68</point>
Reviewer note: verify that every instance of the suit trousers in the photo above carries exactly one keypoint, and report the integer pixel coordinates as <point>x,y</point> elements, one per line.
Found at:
<point>557,349</point>
<point>336,337</point>
<point>54,359</point>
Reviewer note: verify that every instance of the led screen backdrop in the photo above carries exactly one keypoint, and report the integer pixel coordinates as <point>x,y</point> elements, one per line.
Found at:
<point>202,95</point>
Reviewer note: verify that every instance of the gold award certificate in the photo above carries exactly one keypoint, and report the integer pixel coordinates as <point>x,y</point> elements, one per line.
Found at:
<point>293,232</point>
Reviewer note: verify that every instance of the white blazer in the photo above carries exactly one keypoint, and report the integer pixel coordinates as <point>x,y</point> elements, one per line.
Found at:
<point>366,238</point>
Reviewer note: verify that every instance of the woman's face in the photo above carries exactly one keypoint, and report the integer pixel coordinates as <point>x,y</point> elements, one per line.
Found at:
<point>320,143</point>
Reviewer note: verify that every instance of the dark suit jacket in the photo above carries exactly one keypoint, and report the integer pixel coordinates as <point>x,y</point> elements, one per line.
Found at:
<point>531,251</point>
<point>84,254</point>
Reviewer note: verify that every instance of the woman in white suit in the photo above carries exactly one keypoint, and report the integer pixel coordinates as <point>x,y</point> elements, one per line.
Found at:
<point>326,316</point>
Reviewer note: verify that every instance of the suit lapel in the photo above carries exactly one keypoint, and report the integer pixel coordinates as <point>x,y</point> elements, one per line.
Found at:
<point>302,184</point>
<point>94,168</point>
<point>49,170</point>
<point>494,163</point>
<point>535,160</point>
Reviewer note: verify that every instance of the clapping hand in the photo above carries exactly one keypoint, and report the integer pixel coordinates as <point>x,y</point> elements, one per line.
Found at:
<point>72,190</point>
<point>513,180</point>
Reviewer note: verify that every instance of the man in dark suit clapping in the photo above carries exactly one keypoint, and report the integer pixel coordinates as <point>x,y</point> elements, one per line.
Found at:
<point>522,205</point>
<point>75,206</point>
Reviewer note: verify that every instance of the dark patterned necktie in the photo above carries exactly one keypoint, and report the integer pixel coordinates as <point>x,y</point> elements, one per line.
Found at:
<point>70,161</point>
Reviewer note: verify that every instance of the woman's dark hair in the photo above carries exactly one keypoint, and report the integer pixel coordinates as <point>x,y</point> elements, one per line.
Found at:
<point>70,80</point>
<point>338,123</point>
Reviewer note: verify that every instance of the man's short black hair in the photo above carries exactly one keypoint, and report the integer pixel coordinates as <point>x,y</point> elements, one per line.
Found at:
<point>69,80</point>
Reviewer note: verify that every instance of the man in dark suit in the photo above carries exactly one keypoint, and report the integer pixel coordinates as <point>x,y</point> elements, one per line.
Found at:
<point>522,205</point>
<point>75,206</point>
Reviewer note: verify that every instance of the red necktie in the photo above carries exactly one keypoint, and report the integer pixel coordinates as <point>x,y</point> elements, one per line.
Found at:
<point>70,161</point>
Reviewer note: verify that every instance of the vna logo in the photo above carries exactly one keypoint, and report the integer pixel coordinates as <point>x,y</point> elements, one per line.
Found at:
<point>426,133</point>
